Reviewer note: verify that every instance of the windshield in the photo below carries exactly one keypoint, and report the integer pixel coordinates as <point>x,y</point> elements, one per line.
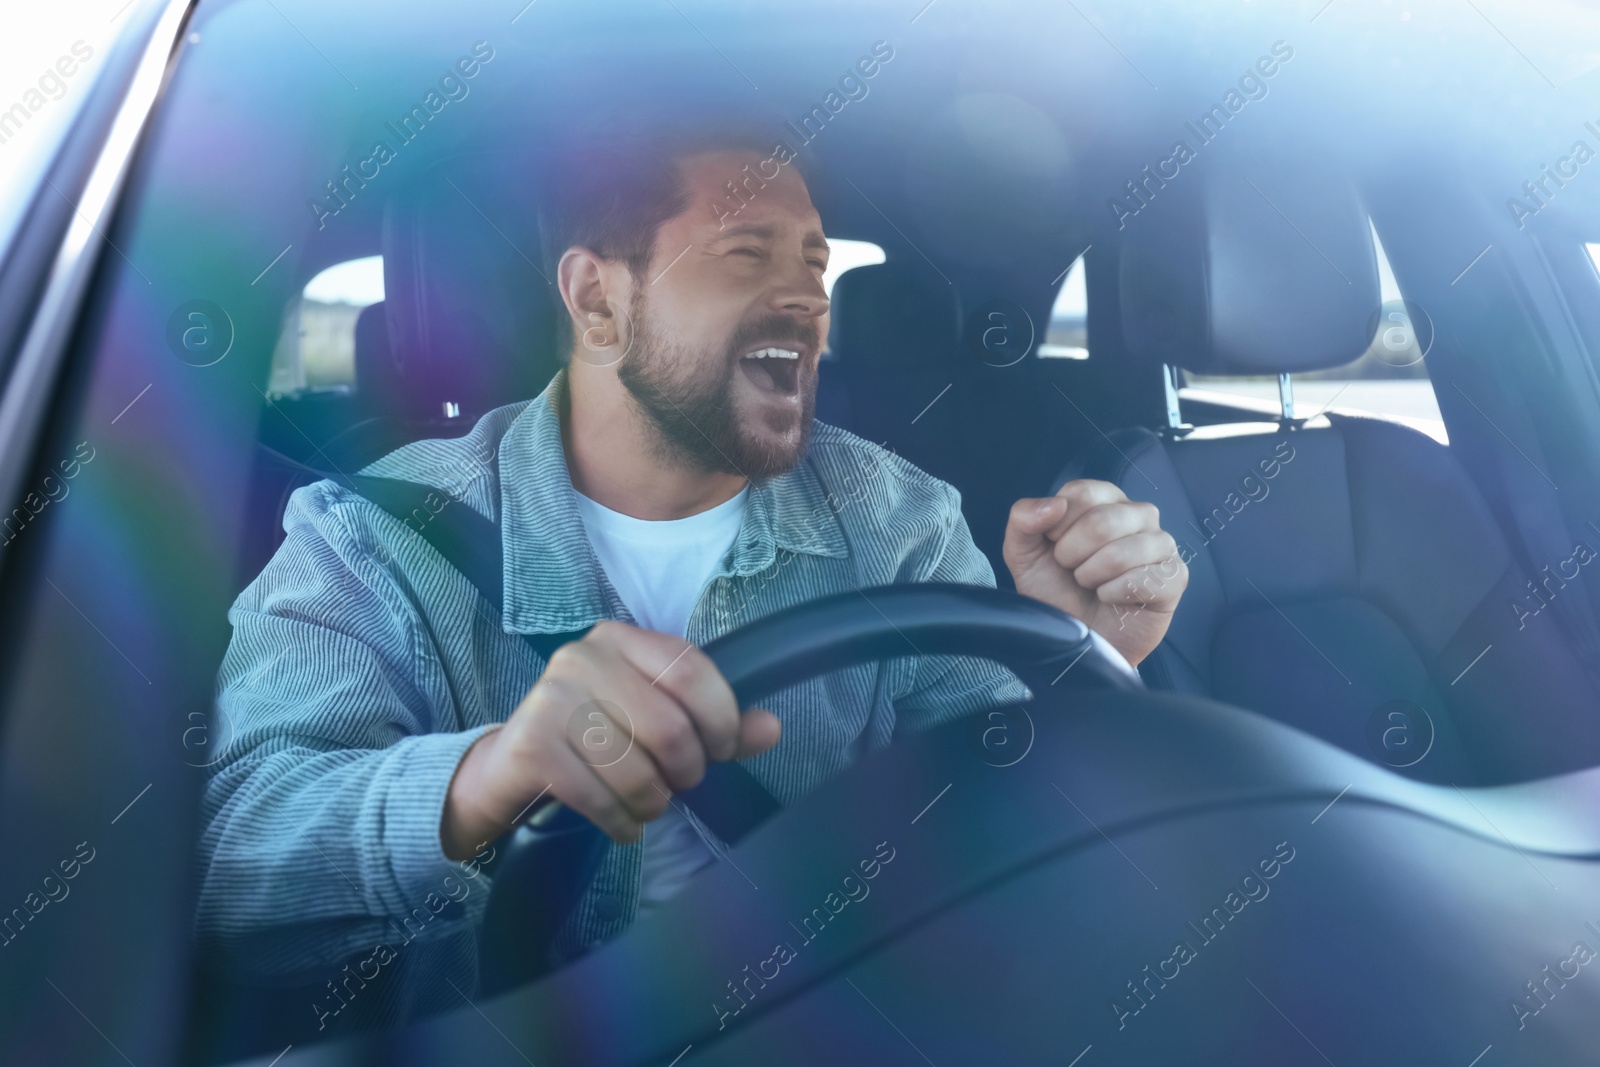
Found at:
<point>464,371</point>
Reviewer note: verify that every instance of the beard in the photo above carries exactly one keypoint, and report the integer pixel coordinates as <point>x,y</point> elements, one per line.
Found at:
<point>691,399</point>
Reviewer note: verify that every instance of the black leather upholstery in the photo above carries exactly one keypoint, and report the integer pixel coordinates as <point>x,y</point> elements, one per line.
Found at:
<point>902,314</point>
<point>1343,575</point>
<point>892,343</point>
<point>1236,287</point>
<point>900,377</point>
<point>1366,569</point>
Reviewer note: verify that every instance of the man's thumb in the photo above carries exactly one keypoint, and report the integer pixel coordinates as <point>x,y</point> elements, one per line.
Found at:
<point>759,730</point>
<point>1031,517</point>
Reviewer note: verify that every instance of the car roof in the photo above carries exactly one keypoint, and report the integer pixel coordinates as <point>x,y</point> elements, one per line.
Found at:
<point>999,136</point>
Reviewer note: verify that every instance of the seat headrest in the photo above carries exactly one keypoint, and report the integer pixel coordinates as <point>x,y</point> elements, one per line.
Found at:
<point>893,316</point>
<point>469,317</point>
<point>1230,282</point>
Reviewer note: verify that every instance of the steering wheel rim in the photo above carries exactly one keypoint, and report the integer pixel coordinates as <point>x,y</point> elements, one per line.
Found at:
<point>1036,641</point>
<point>1041,644</point>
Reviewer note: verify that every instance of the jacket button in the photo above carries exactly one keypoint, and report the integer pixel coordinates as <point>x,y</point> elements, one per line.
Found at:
<point>607,907</point>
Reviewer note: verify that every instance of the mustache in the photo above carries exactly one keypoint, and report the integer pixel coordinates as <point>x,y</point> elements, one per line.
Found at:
<point>774,328</point>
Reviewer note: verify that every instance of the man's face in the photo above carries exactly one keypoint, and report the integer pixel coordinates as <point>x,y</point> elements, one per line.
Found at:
<point>728,323</point>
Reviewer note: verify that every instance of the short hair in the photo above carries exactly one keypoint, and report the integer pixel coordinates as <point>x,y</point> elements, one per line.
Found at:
<point>611,191</point>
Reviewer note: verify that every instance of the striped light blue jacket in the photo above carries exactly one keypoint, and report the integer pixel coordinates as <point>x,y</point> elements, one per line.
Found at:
<point>362,667</point>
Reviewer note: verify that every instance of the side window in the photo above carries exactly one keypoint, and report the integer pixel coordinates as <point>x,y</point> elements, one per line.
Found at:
<point>1067,336</point>
<point>1390,379</point>
<point>316,348</point>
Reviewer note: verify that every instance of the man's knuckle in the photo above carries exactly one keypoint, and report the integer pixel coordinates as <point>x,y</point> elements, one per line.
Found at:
<point>695,665</point>
<point>549,692</point>
<point>672,735</point>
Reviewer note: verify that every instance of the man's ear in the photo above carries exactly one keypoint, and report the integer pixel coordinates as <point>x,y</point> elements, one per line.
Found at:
<point>587,282</point>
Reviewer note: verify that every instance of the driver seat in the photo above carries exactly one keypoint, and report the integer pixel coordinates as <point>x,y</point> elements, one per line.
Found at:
<point>1346,576</point>
<point>469,323</point>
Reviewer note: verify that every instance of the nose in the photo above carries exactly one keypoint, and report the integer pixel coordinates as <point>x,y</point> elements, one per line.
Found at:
<point>799,291</point>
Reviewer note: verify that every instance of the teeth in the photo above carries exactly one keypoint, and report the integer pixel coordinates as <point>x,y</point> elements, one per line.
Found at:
<point>773,353</point>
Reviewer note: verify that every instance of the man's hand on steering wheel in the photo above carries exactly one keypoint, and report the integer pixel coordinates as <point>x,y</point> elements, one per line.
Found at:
<point>1095,554</point>
<point>674,715</point>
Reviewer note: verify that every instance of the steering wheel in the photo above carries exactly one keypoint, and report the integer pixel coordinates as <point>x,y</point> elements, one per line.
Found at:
<point>543,867</point>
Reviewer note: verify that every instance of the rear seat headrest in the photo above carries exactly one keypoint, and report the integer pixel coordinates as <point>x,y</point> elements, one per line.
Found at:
<point>1227,282</point>
<point>469,318</point>
<point>893,315</point>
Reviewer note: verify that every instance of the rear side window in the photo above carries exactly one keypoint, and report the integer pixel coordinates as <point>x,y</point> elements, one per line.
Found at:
<point>316,348</point>
<point>846,255</point>
<point>1067,336</point>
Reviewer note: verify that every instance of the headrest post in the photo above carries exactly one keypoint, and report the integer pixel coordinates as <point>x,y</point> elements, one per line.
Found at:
<point>1169,381</point>
<point>1286,397</point>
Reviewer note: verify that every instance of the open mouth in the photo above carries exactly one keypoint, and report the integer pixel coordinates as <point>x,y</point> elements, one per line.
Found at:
<point>773,369</point>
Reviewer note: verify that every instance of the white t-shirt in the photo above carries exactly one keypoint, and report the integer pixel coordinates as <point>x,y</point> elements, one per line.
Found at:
<point>659,567</point>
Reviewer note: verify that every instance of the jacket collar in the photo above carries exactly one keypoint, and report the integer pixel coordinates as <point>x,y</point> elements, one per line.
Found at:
<point>553,581</point>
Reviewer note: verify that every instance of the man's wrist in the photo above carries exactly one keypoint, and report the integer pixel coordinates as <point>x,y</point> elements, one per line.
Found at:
<point>1127,660</point>
<point>464,826</point>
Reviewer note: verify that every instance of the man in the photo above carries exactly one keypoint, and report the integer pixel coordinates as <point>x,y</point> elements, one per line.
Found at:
<point>670,484</point>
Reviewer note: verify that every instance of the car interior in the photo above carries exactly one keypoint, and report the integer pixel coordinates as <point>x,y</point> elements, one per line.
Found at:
<point>1382,603</point>
<point>1395,571</point>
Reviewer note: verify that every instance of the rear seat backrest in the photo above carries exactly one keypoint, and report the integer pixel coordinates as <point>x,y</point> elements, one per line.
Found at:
<point>891,339</point>
<point>1339,573</point>
<point>896,347</point>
